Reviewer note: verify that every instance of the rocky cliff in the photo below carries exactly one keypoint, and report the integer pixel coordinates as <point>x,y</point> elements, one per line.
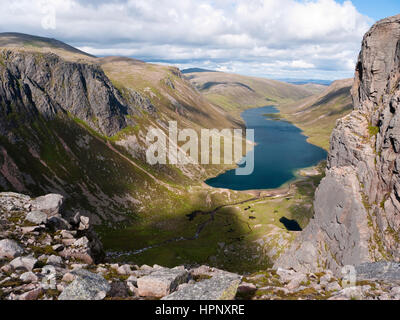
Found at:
<point>56,121</point>
<point>357,205</point>
<point>35,83</point>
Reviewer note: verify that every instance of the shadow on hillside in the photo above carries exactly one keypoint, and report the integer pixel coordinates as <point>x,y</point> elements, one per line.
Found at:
<point>290,225</point>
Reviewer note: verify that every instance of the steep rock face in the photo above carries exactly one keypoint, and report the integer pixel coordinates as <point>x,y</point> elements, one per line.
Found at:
<point>32,83</point>
<point>47,104</point>
<point>357,205</point>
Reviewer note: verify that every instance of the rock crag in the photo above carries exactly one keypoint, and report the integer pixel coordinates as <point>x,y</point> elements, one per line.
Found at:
<point>45,255</point>
<point>357,205</point>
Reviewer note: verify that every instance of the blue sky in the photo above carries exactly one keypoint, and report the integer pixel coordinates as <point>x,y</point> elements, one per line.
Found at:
<point>306,39</point>
<point>377,9</point>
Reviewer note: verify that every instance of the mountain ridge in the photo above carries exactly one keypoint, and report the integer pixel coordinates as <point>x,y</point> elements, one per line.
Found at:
<point>234,92</point>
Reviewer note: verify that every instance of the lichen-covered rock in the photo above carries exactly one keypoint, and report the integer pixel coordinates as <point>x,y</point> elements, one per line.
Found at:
<point>384,271</point>
<point>50,204</point>
<point>55,260</point>
<point>86,286</point>
<point>23,263</point>
<point>10,249</point>
<point>161,282</point>
<point>28,277</point>
<point>37,217</point>
<point>219,287</point>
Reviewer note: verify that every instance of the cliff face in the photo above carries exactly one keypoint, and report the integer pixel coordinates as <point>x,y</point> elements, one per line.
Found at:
<point>357,205</point>
<point>44,83</point>
<point>47,104</point>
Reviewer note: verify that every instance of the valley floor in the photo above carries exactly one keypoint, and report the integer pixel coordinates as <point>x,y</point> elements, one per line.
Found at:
<point>237,231</point>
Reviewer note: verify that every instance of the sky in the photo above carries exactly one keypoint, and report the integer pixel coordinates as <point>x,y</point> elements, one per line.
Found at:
<point>299,39</point>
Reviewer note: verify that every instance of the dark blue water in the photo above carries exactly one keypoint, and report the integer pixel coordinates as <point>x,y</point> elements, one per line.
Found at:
<point>281,150</point>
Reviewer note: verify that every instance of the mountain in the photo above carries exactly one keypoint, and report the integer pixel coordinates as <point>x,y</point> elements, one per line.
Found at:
<point>166,88</point>
<point>313,107</point>
<point>317,115</point>
<point>357,204</point>
<point>40,44</point>
<point>76,125</point>
<point>235,93</point>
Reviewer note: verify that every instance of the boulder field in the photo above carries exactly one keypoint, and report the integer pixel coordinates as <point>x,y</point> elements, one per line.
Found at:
<point>44,256</point>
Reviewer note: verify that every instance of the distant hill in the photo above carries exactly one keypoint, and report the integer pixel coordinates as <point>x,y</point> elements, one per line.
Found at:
<point>194,70</point>
<point>235,92</point>
<point>307,81</point>
<point>317,115</point>
<point>34,43</point>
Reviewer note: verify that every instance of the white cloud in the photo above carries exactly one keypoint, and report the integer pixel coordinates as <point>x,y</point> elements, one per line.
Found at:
<point>300,64</point>
<point>311,37</point>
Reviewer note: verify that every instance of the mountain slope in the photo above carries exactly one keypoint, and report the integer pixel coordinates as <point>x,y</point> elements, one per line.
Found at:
<point>14,40</point>
<point>317,115</point>
<point>236,92</point>
<point>57,123</point>
<point>165,86</point>
<point>357,205</point>
<point>66,128</point>
<point>77,126</point>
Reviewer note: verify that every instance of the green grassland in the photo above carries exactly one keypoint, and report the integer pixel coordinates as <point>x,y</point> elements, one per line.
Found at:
<point>230,240</point>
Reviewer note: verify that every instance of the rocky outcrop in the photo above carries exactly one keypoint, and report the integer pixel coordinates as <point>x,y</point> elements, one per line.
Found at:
<point>220,287</point>
<point>382,271</point>
<point>45,84</point>
<point>46,255</point>
<point>65,261</point>
<point>86,286</point>
<point>357,205</point>
<point>161,283</point>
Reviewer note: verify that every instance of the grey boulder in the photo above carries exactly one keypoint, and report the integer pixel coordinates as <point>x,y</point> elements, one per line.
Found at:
<point>23,263</point>
<point>10,249</point>
<point>37,217</point>
<point>161,282</point>
<point>55,260</point>
<point>50,204</point>
<point>220,287</point>
<point>86,286</point>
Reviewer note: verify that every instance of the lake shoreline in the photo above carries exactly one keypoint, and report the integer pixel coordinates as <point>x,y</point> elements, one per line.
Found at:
<point>291,175</point>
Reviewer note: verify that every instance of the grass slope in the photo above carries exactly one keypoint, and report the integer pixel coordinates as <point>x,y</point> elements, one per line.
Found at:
<point>28,42</point>
<point>317,115</point>
<point>173,96</point>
